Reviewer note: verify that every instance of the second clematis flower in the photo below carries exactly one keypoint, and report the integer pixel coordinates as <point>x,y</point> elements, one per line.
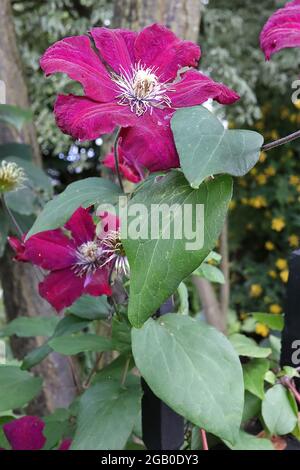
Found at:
<point>80,263</point>
<point>135,81</point>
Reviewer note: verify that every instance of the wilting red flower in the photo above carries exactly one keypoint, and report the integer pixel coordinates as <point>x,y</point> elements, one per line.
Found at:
<point>281,30</point>
<point>132,80</point>
<point>78,264</point>
<point>26,433</point>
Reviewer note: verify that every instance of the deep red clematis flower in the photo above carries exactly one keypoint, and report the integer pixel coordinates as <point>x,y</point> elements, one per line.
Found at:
<point>78,264</point>
<point>132,80</point>
<point>282,29</point>
<point>126,168</point>
<point>26,433</point>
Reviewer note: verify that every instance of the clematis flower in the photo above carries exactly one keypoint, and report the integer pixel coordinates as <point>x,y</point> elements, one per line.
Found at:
<point>282,29</point>
<point>78,264</point>
<point>135,81</point>
<point>126,169</point>
<point>19,248</point>
<point>26,433</point>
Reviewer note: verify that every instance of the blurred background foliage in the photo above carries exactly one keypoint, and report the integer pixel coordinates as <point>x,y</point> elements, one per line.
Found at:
<point>264,219</point>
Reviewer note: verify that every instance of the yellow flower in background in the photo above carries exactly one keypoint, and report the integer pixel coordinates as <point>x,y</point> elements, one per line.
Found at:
<point>272,274</point>
<point>278,224</point>
<point>269,246</point>
<point>270,171</point>
<point>275,308</point>
<point>262,157</point>
<point>245,201</point>
<point>294,180</point>
<point>258,202</point>
<point>253,172</point>
<point>297,104</point>
<point>293,118</point>
<point>232,205</point>
<point>284,275</point>
<point>261,179</point>
<point>285,113</point>
<point>262,330</point>
<point>256,290</point>
<point>242,182</point>
<point>293,241</point>
<point>274,135</point>
<point>298,188</point>
<point>281,264</point>
<point>259,126</point>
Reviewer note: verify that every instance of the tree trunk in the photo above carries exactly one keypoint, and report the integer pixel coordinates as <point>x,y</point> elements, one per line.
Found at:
<point>19,281</point>
<point>183,17</point>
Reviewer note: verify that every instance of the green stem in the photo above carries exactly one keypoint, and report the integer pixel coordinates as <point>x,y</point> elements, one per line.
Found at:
<point>116,155</point>
<point>11,216</point>
<point>125,372</point>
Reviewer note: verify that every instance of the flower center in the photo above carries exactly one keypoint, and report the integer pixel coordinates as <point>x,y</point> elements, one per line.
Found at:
<point>88,258</point>
<point>11,176</point>
<point>141,90</point>
<point>113,250</point>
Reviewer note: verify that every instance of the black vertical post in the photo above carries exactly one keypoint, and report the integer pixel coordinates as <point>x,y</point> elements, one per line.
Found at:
<point>163,429</point>
<point>291,332</point>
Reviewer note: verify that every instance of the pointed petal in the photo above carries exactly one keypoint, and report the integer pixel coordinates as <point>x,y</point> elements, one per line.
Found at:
<point>158,47</point>
<point>126,171</point>
<point>82,226</point>
<point>116,47</point>
<point>25,433</point>
<point>99,283</point>
<point>195,88</point>
<point>75,57</point>
<point>61,288</point>
<point>85,119</point>
<point>281,30</point>
<point>19,248</point>
<point>50,250</point>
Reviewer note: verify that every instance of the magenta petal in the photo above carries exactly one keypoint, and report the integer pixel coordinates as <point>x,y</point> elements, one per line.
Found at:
<point>82,226</point>
<point>196,88</point>
<point>85,119</point>
<point>152,150</point>
<point>99,283</point>
<point>65,445</point>
<point>281,30</point>
<point>75,57</point>
<point>61,288</point>
<point>126,171</point>
<point>159,48</point>
<point>50,250</point>
<point>115,47</point>
<point>19,248</point>
<point>25,433</point>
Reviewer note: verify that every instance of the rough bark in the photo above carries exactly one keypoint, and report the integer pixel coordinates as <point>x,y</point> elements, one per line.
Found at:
<point>183,17</point>
<point>19,281</point>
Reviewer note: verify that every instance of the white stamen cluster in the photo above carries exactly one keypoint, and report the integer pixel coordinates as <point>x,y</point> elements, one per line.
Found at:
<point>114,253</point>
<point>12,176</point>
<point>88,258</point>
<point>141,90</point>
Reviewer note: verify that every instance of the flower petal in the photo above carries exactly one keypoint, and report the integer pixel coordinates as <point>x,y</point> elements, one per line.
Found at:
<point>159,48</point>
<point>19,248</point>
<point>116,47</point>
<point>61,288</point>
<point>126,171</point>
<point>65,445</point>
<point>75,57</point>
<point>98,284</point>
<point>196,88</point>
<point>281,30</point>
<point>50,249</point>
<point>109,223</point>
<point>85,119</point>
<point>82,226</point>
<point>25,433</point>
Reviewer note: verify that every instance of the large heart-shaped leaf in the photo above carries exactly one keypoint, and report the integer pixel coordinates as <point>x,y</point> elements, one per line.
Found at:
<point>205,148</point>
<point>81,193</point>
<point>17,387</point>
<point>279,411</point>
<point>158,265</point>
<point>254,375</point>
<point>107,415</point>
<point>194,369</point>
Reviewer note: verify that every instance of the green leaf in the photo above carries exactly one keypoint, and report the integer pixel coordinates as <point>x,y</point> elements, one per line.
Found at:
<point>209,389</point>
<point>252,405</point>
<point>115,369</point>
<point>210,272</point>
<point>158,265</point>
<point>121,336</point>
<point>183,299</point>
<point>14,149</point>
<point>30,326</point>
<point>275,322</point>
<point>36,356</point>
<point>277,411</point>
<point>245,346</point>
<point>254,375</point>
<point>23,201</point>
<point>4,444</point>
<point>14,116</point>
<point>107,415</point>
<point>205,148</point>
<point>17,387</point>
<point>92,308</point>
<point>81,193</point>
<point>246,441</point>
<point>71,345</point>
<point>4,228</point>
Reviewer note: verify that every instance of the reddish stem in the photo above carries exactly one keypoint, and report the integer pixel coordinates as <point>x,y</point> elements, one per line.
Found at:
<point>204,439</point>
